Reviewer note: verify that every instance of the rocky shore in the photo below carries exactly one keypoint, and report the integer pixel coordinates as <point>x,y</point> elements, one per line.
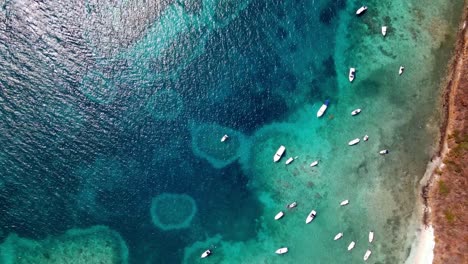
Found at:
<point>445,194</point>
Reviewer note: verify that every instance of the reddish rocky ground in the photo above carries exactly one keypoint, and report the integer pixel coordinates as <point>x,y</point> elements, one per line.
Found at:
<point>447,196</point>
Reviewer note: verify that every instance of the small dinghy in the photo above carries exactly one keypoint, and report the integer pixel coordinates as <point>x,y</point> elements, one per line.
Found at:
<point>371,236</point>
<point>290,160</point>
<point>352,74</point>
<point>365,138</point>
<point>281,251</point>
<point>383,152</point>
<point>279,153</point>
<point>279,215</point>
<point>368,253</point>
<point>322,109</point>
<point>311,216</point>
<point>313,164</point>
<point>400,71</point>
<point>224,138</point>
<point>353,142</point>
<point>338,236</point>
<point>205,254</point>
<point>351,245</point>
<point>291,205</point>
<point>384,31</point>
<point>356,112</point>
<point>345,202</point>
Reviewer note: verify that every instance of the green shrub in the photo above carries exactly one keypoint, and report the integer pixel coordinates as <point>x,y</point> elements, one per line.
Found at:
<point>443,188</point>
<point>449,216</point>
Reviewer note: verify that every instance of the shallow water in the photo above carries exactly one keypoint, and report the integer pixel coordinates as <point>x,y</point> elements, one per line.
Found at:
<point>105,105</point>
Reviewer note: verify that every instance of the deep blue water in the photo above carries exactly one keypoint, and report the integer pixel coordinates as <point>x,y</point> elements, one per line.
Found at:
<point>51,129</point>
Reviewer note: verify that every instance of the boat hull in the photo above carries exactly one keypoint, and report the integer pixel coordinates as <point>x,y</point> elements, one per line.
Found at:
<point>338,236</point>
<point>367,255</point>
<point>282,251</point>
<point>384,31</point>
<point>352,73</point>
<point>322,110</point>
<point>311,216</point>
<point>205,254</point>
<point>356,112</point>
<point>279,215</point>
<point>361,10</point>
<point>279,153</point>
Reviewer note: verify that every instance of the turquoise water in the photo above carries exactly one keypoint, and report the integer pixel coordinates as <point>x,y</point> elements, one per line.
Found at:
<point>112,114</point>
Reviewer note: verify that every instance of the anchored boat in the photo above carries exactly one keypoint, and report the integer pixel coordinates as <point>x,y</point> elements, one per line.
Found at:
<point>368,253</point>
<point>279,153</point>
<point>311,216</point>
<point>281,251</point>
<point>279,215</point>
<point>224,138</point>
<point>383,152</point>
<point>205,254</point>
<point>371,236</point>
<point>353,142</point>
<point>384,31</point>
<point>338,236</point>
<point>322,109</point>
<point>361,10</point>
<point>292,205</point>
<point>356,112</point>
<point>288,161</point>
<point>352,74</point>
<point>351,245</point>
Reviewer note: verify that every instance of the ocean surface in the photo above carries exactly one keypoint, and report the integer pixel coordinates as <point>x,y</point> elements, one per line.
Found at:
<point>111,115</point>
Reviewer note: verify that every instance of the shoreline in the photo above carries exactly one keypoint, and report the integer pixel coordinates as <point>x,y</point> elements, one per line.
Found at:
<point>428,237</point>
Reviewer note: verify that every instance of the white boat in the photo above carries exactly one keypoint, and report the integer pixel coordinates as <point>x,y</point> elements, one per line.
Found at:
<point>279,215</point>
<point>311,216</point>
<point>365,138</point>
<point>351,245</point>
<point>313,164</point>
<point>279,153</point>
<point>205,254</point>
<point>400,71</point>
<point>383,151</point>
<point>384,31</point>
<point>352,74</point>
<point>281,251</point>
<point>224,138</point>
<point>345,202</point>
<point>356,112</point>
<point>322,109</point>
<point>371,236</point>
<point>353,142</point>
<point>288,161</point>
<point>366,256</point>
<point>361,10</point>
<point>292,205</point>
<point>338,236</point>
